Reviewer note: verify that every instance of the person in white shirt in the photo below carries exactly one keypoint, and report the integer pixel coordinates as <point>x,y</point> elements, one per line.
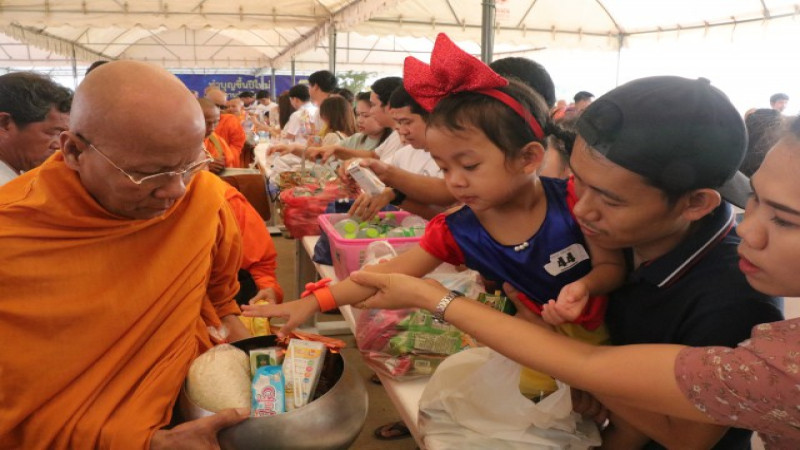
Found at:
<point>379,98</point>
<point>321,85</point>
<point>34,110</point>
<point>300,125</point>
<point>265,108</point>
<point>413,159</point>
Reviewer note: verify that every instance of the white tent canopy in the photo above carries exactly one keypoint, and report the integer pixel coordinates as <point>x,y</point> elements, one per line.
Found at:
<point>599,41</point>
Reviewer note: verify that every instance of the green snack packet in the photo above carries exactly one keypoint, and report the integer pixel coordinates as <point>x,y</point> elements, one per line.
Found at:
<point>499,302</point>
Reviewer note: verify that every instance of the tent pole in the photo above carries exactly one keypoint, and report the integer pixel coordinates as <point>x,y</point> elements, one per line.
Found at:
<point>620,38</point>
<point>487,31</point>
<point>272,86</point>
<point>74,69</point>
<point>332,50</point>
<point>293,79</point>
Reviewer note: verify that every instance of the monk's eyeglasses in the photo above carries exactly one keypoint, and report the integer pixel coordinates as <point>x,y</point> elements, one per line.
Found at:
<point>156,178</point>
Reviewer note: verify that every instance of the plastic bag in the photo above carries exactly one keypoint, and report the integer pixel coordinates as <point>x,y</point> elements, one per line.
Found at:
<point>473,402</point>
<point>408,343</point>
<point>301,205</point>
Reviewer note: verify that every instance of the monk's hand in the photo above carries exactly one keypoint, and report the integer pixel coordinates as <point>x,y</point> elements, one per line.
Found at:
<point>267,294</point>
<point>200,434</point>
<point>217,165</point>
<point>295,312</point>
<point>568,307</point>
<point>523,312</point>
<point>396,291</point>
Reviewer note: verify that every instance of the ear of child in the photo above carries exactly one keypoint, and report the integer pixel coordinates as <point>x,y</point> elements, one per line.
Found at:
<point>531,157</point>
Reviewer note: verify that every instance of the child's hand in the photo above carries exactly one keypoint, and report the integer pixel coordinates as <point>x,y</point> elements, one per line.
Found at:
<point>295,312</point>
<point>569,306</point>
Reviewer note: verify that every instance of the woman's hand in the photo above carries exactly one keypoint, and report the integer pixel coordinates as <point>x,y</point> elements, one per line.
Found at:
<point>295,312</point>
<point>397,291</point>
<point>367,206</point>
<point>325,152</point>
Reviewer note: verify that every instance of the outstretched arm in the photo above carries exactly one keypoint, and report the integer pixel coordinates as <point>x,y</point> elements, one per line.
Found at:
<point>637,375</point>
<point>414,262</point>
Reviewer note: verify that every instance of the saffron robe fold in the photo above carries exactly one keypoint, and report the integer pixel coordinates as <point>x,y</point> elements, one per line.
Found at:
<point>215,145</point>
<point>100,316</point>
<point>258,251</point>
<point>230,129</point>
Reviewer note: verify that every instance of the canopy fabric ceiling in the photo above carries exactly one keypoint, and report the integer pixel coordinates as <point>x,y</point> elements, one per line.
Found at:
<point>370,34</point>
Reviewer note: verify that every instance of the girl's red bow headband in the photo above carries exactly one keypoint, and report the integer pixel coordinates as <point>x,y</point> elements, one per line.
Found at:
<point>453,70</point>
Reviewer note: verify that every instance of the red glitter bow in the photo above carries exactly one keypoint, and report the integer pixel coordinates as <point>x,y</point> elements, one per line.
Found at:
<point>311,287</point>
<point>453,70</point>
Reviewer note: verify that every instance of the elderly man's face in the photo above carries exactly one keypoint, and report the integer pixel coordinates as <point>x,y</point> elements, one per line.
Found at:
<point>106,175</point>
<point>36,141</point>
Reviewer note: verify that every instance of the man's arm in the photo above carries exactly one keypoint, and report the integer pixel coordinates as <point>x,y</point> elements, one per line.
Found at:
<point>420,188</point>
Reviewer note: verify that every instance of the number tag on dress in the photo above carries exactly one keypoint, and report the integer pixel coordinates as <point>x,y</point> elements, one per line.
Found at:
<point>563,260</point>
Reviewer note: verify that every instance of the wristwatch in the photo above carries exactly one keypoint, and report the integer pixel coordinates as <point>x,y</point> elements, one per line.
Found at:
<point>399,197</point>
<point>438,314</point>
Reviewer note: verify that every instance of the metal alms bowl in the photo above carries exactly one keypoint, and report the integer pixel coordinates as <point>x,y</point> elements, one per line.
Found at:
<point>332,421</point>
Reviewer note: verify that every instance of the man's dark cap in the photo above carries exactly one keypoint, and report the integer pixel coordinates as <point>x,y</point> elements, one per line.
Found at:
<point>680,134</point>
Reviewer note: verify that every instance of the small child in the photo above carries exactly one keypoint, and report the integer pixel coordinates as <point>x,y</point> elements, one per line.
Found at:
<point>485,134</point>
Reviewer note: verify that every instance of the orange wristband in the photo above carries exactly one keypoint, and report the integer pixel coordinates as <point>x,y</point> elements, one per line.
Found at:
<point>325,299</point>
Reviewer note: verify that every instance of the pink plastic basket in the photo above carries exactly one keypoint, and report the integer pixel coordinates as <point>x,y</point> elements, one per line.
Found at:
<point>348,254</point>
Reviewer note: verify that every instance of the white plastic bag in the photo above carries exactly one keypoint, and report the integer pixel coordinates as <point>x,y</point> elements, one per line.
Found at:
<point>473,402</point>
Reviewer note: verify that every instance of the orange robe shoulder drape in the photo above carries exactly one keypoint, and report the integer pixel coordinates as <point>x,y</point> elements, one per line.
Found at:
<point>214,144</point>
<point>258,251</point>
<point>100,316</point>
<point>230,129</point>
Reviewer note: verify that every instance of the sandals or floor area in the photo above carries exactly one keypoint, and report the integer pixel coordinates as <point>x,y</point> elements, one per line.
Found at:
<point>392,431</point>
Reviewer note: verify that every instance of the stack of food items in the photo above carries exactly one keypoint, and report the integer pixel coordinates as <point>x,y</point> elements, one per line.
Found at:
<point>268,380</point>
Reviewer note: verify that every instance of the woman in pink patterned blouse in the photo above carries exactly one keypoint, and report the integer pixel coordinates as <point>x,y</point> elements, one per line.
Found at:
<point>755,385</point>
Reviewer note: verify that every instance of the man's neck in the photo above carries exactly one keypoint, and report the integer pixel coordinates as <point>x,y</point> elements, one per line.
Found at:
<point>658,248</point>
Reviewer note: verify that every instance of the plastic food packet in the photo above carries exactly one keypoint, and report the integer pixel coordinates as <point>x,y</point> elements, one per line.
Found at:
<point>366,178</point>
<point>302,365</point>
<point>268,392</point>
<point>270,356</point>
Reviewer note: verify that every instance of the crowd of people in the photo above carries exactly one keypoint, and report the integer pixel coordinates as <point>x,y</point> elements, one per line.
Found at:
<point>611,223</point>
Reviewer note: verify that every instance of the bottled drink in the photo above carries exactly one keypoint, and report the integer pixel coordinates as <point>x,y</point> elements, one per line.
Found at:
<point>347,228</point>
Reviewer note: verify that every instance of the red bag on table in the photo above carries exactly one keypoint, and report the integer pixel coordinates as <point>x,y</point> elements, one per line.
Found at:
<point>303,204</point>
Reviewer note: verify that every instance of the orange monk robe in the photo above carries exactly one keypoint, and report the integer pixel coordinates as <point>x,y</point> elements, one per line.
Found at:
<point>258,251</point>
<point>100,316</point>
<point>230,129</point>
<point>214,144</point>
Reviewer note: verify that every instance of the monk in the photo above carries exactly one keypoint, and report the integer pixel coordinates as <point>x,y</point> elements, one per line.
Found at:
<point>259,257</point>
<point>124,250</point>
<point>217,147</point>
<point>229,127</point>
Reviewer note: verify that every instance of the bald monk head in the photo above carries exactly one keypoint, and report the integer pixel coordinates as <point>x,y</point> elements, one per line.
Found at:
<point>235,106</point>
<point>210,114</point>
<point>129,157</point>
<point>219,98</point>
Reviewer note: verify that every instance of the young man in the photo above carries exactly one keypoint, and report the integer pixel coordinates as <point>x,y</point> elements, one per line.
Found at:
<point>321,85</point>
<point>410,123</point>
<point>34,111</point>
<point>778,101</point>
<point>379,98</point>
<point>300,125</point>
<point>650,161</point>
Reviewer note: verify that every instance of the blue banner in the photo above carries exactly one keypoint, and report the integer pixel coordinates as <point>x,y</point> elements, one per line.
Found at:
<point>233,85</point>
